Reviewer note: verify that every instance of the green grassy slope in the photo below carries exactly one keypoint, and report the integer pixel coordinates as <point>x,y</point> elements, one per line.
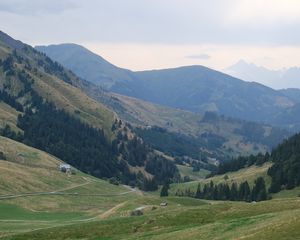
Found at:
<point>64,198</point>
<point>190,219</point>
<point>250,174</point>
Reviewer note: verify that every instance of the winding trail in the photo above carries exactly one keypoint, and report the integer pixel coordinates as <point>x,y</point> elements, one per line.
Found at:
<point>61,192</point>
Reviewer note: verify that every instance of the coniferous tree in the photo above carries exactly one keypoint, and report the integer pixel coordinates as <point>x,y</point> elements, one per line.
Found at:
<point>164,191</point>
<point>198,192</point>
<point>234,192</point>
<point>244,192</point>
<point>259,192</point>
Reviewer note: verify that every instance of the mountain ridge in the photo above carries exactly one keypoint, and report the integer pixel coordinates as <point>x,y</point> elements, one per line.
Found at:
<point>200,89</point>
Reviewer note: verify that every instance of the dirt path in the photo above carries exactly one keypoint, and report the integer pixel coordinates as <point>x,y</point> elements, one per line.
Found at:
<point>112,210</point>
<point>62,193</point>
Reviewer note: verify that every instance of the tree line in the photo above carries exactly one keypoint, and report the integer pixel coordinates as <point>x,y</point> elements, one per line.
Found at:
<point>238,163</point>
<point>235,192</point>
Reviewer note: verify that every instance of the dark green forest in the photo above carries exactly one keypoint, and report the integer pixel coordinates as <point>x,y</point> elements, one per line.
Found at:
<point>285,171</point>
<point>223,191</point>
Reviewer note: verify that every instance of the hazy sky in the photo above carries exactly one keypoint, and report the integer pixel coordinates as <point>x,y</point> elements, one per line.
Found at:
<point>147,34</point>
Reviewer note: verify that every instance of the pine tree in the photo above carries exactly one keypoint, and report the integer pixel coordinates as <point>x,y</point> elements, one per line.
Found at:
<point>198,192</point>
<point>165,190</point>
<point>259,192</point>
<point>234,192</point>
<point>244,192</point>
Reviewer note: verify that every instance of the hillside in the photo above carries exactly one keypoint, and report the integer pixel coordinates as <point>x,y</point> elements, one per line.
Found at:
<point>53,114</point>
<point>233,134</point>
<point>193,88</point>
<point>34,193</point>
<point>217,135</point>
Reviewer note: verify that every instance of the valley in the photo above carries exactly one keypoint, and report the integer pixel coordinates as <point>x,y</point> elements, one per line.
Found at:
<point>114,154</point>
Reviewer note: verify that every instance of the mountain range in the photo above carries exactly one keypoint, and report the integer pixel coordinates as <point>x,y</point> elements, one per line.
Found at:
<point>277,79</point>
<point>193,88</point>
<point>31,80</point>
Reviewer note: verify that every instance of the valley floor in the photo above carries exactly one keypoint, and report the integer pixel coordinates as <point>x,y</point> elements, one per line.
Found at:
<point>183,218</point>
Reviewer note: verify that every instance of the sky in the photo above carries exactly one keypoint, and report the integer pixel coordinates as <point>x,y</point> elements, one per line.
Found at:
<point>153,34</point>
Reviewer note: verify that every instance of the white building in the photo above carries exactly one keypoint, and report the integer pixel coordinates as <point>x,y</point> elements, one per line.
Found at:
<point>64,167</point>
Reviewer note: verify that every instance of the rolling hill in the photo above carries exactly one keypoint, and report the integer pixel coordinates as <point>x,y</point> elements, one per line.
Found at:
<point>193,88</point>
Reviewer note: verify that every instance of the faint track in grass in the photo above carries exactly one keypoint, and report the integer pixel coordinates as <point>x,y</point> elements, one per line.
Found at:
<point>61,192</point>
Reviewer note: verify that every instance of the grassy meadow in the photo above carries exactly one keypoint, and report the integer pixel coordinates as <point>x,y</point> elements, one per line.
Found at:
<point>82,207</point>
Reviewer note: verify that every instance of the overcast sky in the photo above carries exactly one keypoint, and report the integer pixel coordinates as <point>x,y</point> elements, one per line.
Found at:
<point>147,34</point>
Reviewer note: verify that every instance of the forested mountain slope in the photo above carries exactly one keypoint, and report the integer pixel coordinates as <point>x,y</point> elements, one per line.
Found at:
<point>50,112</point>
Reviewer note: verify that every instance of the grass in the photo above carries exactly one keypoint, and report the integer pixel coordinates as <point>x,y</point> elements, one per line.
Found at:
<point>86,215</point>
<point>188,171</point>
<point>29,170</point>
<point>288,193</point>
<point>8,115</point>
<point>190,219</point>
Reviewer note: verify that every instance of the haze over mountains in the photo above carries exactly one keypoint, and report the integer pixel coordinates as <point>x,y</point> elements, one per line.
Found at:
<point>277,79</point>
<point>193,88</point>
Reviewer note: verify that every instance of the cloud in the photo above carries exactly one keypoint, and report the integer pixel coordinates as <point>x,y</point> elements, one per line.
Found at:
<point>199,56</point>
<point>36,7</point>
<point>264,12</point>
<point>198,22</point>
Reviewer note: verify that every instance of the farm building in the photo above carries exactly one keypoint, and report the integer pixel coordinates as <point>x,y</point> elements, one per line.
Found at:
<point>64,167</point>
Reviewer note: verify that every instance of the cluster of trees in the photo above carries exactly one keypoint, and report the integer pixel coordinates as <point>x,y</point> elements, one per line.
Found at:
<point>66,137</point>
<point>137,153</point>
<point>11,101</point>
<point>162,169</point>
<point>165,190</point>
<point>173,144</point>
<point>223,191</point>
<point>52,67</point>
<point>181,146</point>
<point>285,171</point>
<point>254,132</point>
<point>7,65</point>
<point>242,162</point>
<point>6,131</point>
<point>2,156</point>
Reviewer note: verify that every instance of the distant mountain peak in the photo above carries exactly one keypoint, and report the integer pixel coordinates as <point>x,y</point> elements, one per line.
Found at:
<point>277,79</point>
<point>86,64</point>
